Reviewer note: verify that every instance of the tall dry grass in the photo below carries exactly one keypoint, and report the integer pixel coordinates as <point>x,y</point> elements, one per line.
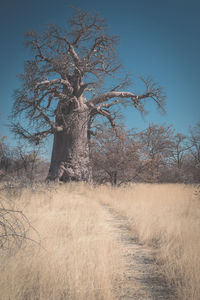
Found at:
<point>82,257</point>
<point>166,217</point>
<point>79,250</point>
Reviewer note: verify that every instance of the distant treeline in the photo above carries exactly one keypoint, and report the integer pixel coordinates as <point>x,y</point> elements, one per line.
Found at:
<point>156,154</point>
<point>21,163</point>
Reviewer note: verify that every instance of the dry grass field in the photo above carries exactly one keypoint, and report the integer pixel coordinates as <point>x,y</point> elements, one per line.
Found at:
<point>167,218</point>
<point>81,257</point>
<point>79,254</point>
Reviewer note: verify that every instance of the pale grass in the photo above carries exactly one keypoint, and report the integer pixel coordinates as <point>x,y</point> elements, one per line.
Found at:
<point>81,257</point>
<point>166,217</point>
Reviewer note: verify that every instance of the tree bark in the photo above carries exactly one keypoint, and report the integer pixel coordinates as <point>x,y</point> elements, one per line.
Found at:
<point>70,155</point>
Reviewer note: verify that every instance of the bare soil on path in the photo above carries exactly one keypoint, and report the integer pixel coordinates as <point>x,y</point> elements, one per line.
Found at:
<point>142,278</point>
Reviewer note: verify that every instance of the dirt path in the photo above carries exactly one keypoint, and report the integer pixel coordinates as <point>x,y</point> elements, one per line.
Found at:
<point>143,280</point>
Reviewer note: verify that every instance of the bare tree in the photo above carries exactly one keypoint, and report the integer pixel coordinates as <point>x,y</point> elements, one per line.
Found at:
<point>157,141</point>
<point>26,161</point>
<point>156,149</point>
<point>179,150</point>
<point>22,163</point>
<point>5,161</point>
<point>195,143</point>
<point>194,152</point>
<point>115,158</point>
<point>62,91</point>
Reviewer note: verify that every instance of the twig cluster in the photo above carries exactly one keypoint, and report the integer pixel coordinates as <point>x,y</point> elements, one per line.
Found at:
<point>14,228</point>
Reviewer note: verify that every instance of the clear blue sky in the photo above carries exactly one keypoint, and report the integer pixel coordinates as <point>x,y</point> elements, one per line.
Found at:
<point>160,38</point>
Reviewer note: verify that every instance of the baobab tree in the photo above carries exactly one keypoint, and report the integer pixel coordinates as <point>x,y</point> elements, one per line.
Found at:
<point>65,87</point>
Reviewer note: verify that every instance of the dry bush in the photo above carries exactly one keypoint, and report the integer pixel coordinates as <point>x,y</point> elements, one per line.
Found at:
<point>13,228</point>
<point>166,217</point>
<point>79,254</point>
<point>14,225</point>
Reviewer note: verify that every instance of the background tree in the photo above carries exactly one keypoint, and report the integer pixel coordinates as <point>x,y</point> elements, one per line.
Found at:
<point>180,147</point>
<point>156,149</point>
<point>193,158</point>
<point>21,164</point>
<point>195,143</point>
<point>4,163</point>
<point>28,163</point>
<point>175,171</point>
<point>65,86</point>
<point>115,158</point>
<point>156,154</point>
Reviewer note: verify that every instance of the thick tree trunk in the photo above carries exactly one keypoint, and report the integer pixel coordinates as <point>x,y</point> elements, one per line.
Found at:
<point>70,155</point>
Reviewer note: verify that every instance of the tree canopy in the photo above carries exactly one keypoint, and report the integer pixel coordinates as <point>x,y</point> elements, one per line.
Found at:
<point>67,63</point>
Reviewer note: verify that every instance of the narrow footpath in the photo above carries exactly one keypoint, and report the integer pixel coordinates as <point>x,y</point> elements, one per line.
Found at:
<point>142,280</point>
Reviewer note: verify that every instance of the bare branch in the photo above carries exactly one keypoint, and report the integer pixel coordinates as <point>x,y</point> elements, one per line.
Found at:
<point>48,83</point>
<point>85,86</point>
<point>14,227</point>
<point>153,92</point>
<point>107,114</point>
<point>32,137</point>
<point>108,105</point>
<point>114,94</point>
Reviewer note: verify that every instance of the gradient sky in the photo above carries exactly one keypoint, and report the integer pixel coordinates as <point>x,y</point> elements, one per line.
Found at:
<point>160,38</point>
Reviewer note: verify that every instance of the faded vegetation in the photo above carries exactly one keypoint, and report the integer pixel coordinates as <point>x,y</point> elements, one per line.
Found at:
<point>167,218</point>
<point>81,256</point>
<point>78,253</point>
<point>156,154</point>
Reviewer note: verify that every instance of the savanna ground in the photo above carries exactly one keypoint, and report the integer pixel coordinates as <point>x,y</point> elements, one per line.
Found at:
<point>104,243</point>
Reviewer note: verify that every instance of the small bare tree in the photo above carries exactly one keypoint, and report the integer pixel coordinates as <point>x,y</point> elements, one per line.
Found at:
<point>3,158</point>
<point>195,143</point>
<point>115,158</point>
<point>156,149</point>
<point>194,152</point>
<point>61,91</point>
<point>179,150</point>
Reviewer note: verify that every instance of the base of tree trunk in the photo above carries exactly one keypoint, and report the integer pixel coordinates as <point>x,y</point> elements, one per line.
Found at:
<point>67,172</point>
<point>70,156</point>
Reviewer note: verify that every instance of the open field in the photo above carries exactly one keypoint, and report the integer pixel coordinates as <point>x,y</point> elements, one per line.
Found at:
<point>167,218</point>
<point>81,255</point>
<point>79,251</point>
